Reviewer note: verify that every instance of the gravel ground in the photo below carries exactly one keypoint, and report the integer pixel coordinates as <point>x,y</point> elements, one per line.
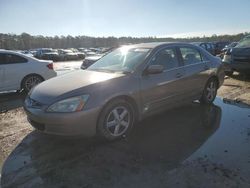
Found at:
<point>204,148</point>
<point>14,127</point>
<point>236,89</point>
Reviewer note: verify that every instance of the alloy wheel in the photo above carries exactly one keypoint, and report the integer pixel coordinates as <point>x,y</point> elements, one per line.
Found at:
<point>32,81</point>
<point>118,121</point>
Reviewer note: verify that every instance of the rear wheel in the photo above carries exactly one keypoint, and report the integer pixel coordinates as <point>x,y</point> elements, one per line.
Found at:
<point>210,92</point>
<point>116,120</point>
<point>30,81</point>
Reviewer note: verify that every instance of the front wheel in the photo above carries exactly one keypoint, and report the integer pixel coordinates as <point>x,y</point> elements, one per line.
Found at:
<point>210,92</point>
<point>116,120</point>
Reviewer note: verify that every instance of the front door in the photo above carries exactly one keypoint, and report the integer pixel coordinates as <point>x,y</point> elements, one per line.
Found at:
<point>162,90</point>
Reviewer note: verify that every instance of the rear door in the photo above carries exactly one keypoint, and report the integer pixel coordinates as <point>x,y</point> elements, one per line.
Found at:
<point>196,68</point>
<point>162,90</point>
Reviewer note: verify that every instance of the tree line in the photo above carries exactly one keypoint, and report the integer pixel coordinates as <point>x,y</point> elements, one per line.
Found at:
<point>26,41</point>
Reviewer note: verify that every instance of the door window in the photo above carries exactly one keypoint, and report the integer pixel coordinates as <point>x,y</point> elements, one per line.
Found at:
<point>209,47</point>
<point>11,59</point>
<point>204,46</point>
<point>190,55</point>
<point>167,58</point>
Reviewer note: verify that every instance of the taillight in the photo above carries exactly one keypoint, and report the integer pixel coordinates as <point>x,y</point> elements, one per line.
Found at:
<point>50,66</point>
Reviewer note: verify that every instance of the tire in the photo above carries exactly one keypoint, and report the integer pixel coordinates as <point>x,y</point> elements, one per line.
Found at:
<point>209,92</point>
<point>111,125</point>
<point>30,81</point>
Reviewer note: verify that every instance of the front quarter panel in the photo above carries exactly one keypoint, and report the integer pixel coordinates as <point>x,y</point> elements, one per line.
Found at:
<point>104,92</point>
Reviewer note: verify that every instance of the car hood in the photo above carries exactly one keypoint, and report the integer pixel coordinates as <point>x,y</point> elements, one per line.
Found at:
<point>68,85</point>
<point>71,53</point>
<point>93,58</point>
<point>241,51</point>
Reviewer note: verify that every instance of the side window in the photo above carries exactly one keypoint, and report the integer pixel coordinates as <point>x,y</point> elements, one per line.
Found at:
<point>208,46</point>
<point>167,58</point>
<point>204,57</point>
<point>190,55</point>
<point>13,59</point>
<point>204,46</point>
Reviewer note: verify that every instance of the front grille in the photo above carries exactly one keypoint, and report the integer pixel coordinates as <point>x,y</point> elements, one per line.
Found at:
<point>36,125</point>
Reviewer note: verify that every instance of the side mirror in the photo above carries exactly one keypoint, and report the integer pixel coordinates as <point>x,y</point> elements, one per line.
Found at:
<point>154,69</point>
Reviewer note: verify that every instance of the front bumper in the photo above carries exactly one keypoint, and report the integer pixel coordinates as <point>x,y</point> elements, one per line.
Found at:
<point>67,124</point>
<point>233,64</point>
<point>237,66</point>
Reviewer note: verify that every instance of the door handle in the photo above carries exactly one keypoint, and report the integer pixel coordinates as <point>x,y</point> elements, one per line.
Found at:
<point>178,75</point>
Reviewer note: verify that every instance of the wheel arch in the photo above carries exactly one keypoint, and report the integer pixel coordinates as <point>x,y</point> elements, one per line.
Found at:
<point>31,74</point>
<point>128,99</point>
<point>214,77</point>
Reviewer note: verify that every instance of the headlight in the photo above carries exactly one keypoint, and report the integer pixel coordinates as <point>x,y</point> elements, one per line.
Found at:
<point>74,104</point>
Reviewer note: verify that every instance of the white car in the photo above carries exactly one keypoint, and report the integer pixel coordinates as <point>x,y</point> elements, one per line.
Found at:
<point>21,72</point>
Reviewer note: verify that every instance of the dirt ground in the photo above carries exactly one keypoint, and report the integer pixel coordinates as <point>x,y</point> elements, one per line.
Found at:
<point>192,146</point>
<point>236,89</point>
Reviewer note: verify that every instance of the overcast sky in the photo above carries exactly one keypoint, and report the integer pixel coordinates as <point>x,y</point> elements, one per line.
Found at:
<point>136,18</point>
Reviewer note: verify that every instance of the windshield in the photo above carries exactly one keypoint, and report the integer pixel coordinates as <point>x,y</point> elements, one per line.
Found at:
<point>124,59</point>
<point>244,43</point>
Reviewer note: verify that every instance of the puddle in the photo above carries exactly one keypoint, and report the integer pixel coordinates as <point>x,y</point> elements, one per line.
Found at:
<point>220,132</point>
<point>230,144</point>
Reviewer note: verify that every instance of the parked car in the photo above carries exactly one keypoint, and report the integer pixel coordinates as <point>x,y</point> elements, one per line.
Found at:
<point>90,60</point>
<point>81,55</point>
<point>207,46</point>
<point>18,71</point>
<point>54,56</point>
<point>219,46</point>
<point>47,54</point>
<point>238,58</point>
<point>124,86</point>
<point>90,53</point>
<point>227,47</point>
<point>27,53</point>
<point>66,55</point>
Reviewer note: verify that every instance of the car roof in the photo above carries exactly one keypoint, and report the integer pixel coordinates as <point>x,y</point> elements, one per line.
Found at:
<point>19,54</point>
<point>9,51</point>
<point>156,44</point>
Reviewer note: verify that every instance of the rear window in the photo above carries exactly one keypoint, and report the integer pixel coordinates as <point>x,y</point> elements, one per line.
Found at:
<point>190,56</point>
<point>167,58</point>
